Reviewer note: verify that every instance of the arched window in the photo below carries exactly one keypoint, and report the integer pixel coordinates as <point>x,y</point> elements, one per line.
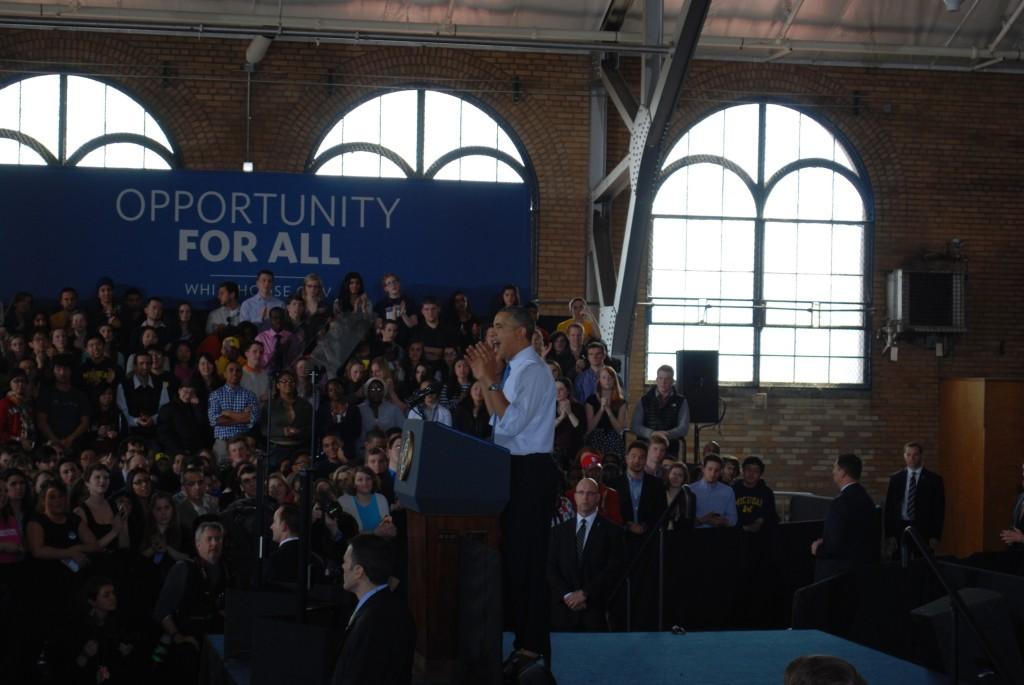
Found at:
<point>420,134</point>
<point>760,234</point>
<point>63,120</point>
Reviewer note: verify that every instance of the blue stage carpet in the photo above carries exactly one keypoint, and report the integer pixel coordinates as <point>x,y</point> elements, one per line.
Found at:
<point>713,658</point>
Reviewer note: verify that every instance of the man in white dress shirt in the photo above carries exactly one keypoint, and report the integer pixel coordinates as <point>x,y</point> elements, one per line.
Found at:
<point>521,400</point>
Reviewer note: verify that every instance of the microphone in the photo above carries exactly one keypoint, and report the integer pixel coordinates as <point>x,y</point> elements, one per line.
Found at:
<point>418,397</point>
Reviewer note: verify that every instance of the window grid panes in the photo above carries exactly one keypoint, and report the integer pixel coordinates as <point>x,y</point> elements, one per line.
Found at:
<point>32,107</point>
<point>451,125</point>
<point>780,294</point>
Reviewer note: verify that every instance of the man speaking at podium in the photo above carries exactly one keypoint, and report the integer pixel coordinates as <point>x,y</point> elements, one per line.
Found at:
<point>521,400</point>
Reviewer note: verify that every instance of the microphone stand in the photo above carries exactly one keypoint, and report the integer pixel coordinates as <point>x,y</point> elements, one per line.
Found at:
<point>262,474</point>
<point>625,579</point>
<point>270,405</point>
<point>314,400</point>
<point>958,609</point>
<point>305,534</point>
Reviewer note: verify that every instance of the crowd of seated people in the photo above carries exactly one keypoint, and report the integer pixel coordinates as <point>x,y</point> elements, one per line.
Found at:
<point>130,433</point>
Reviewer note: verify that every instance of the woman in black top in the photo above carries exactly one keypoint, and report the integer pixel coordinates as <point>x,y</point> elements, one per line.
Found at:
<point>108,526</point>
<point>471,415</point>
<point>186,328</point>
<point>562,355</point>
<point>570,424</point>
<point>59,543</point>
<point>139,491</point>
<point>107,423</point>
<point>206,379</point>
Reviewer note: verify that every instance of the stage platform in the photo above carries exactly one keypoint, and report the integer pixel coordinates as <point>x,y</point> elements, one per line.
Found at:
<point>712,658</point>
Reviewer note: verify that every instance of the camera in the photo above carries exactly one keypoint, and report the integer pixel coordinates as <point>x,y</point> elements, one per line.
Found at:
<point>330,507</point>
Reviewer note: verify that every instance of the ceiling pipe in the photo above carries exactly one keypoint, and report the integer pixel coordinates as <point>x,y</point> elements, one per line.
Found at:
<point>482,37</point>
<point>618,42</point>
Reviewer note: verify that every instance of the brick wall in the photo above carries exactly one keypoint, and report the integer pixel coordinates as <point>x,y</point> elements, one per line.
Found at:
<point>942,151</point>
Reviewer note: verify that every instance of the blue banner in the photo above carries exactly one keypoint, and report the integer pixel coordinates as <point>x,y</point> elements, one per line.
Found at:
<point>177,234</point>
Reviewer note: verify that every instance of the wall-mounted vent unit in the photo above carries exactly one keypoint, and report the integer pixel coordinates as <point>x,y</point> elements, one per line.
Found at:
<point>927,301</point>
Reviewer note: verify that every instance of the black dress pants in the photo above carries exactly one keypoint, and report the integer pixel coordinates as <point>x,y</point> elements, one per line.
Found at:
<point>525,530</point>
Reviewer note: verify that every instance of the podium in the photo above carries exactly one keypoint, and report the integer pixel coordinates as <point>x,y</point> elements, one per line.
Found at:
<point>454,487</point>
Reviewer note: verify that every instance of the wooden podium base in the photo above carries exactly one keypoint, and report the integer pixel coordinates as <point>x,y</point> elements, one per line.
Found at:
<point>455,578</point>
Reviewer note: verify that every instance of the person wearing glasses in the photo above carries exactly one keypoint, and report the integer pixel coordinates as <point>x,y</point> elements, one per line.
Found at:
<point>288,419</point>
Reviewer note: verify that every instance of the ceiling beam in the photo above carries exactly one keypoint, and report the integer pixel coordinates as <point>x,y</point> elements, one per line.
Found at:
<point>615,15</point>
<point>618,90</point>
<point>1007,26</point>
<point>645,155</point>
<point>615,183</point>
<point>784,31</point>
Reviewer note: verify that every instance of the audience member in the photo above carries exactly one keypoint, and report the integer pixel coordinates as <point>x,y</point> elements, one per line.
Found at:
<point>287,421</point>
<point>716,501</point>
<point>256,309</point>
<point>378,412</point>
<point>591,467</point>
<point>570,423</point>
<point>606,414</point>
<point>367,506</point>
<point>182,424</point>
<point>229,313</point>
<point>755,501</point>
<point>232,410</point>
<point>585,384</point>
<point>663,411</point>
<point>62,412</point>
<point>821,670</point>
<point>730,469</point>
<point>581,316</point>
<point>139,398</point>
<point>397,307</point>
<point>431,408</point>
<point>472,416</point>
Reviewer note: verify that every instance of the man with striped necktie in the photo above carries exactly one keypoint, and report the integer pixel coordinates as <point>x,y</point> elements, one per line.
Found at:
<point>916,497</point>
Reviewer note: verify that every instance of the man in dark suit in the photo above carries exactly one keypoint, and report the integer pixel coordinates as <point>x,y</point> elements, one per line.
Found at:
<point>378,645</point>
<point>585,557</point>
<point>642,501</point>
<point>283,564</point>
<point>641,495</point>
<point>916,497</point>
<point>851,536</point>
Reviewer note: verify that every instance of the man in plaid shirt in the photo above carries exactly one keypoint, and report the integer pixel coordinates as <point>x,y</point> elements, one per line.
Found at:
<point>233,410</point>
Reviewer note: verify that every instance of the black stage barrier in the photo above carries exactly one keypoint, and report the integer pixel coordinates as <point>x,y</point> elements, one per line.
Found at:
<point>721,578</point>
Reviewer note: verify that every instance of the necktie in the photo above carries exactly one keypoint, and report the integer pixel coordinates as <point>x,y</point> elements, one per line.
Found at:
<point>911,496</point>
<point>581,537</point>
<point>505,374</point>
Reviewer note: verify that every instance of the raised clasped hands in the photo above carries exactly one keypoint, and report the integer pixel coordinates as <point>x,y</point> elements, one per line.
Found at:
<point>484,362</point>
